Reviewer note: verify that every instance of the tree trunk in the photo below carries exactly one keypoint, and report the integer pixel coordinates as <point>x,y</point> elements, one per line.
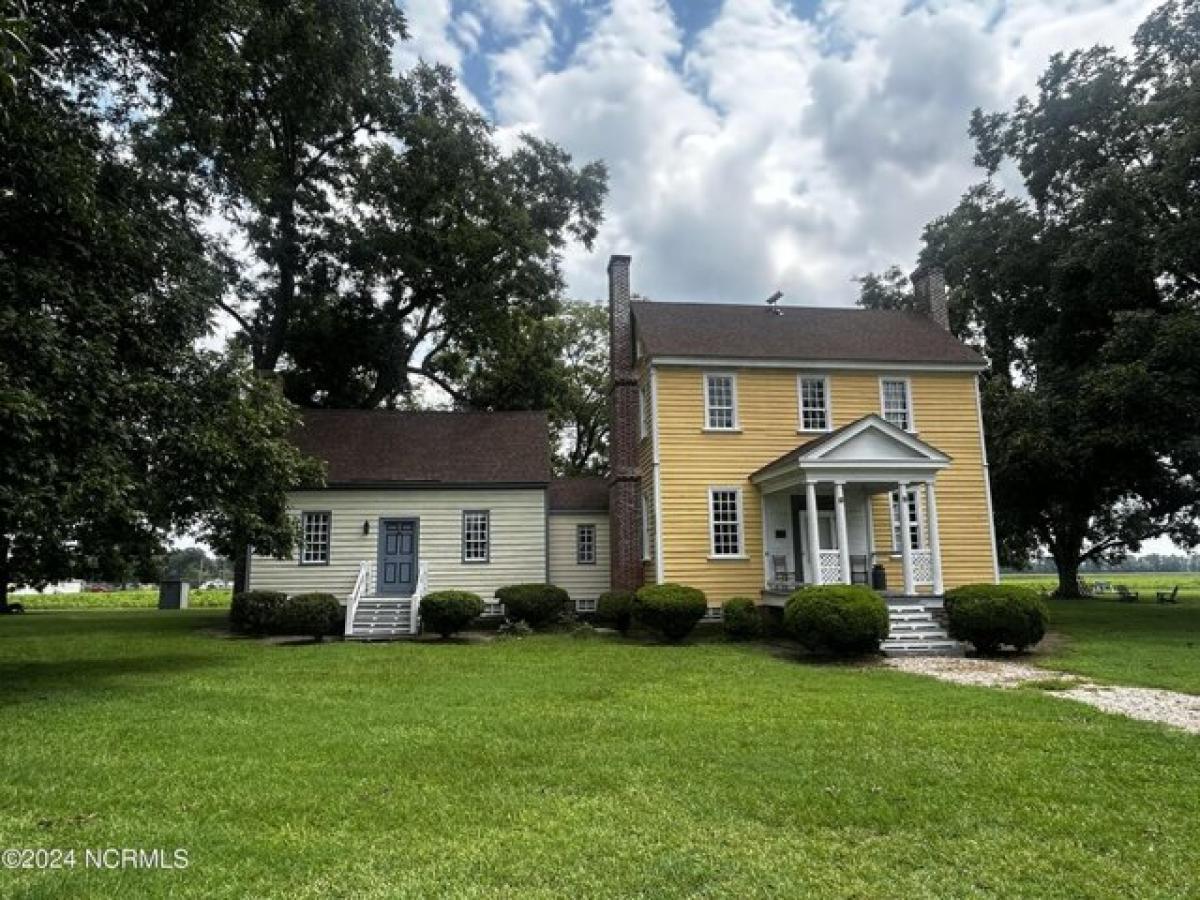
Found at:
<point>270,349</point>
<point>1068,578</point>
<point>4,575</point>
<point>240,572</point>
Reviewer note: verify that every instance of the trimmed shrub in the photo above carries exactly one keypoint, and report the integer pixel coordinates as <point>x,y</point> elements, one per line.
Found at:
<point>255,612</point>
<point>843,619</point>
<point>741,619</point>
<point>312,614</point>
<point>989,616</point>
<point>671,610</point>
<point>446,612</point>
<point>615,608</point>
<point>537,605</point>
<point>511,629</point>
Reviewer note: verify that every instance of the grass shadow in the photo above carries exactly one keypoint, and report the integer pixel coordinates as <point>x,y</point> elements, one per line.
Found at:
<point>39,679</point>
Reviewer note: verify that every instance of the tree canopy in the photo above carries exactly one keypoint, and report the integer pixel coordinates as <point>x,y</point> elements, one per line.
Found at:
<point>1083,291</point>
<point>118,430</point>
<point>361,227</point>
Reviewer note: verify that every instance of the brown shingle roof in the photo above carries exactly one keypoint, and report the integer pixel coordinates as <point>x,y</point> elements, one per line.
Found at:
<point>587,492</point>
<point>741,331</point>
<point>375,446</point>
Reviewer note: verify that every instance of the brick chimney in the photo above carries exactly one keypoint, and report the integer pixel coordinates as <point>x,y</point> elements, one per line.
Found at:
<point>929,285</point>
<point>625,557</point>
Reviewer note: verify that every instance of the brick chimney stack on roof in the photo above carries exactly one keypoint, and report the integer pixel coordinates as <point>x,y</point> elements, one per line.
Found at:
<point>929,284</point>
<point>623,481</point>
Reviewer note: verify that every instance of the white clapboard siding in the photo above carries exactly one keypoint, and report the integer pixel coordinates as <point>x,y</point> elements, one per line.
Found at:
<point>518,539</point>
<point>582,582</point>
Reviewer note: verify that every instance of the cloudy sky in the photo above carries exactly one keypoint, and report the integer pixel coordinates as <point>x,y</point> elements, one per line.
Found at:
<point>755,145</point>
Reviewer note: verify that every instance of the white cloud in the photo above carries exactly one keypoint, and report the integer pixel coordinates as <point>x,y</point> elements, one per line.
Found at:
<point>765,150</point>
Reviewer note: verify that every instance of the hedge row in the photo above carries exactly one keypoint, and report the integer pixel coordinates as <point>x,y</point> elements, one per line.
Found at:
<point>271,612</point>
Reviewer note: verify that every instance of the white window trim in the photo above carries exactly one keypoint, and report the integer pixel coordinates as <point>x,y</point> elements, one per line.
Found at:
<point>328,514</point>
<point>741,524</point>
<point>733,390</point>
<point>487,538</point>
<point>915,497</point>
<point>813,376</point>
<point>580,529</point>
<point>908,399</point>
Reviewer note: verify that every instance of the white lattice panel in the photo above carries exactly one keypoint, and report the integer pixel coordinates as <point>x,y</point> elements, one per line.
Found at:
<point>922,563</point>
<point>830,566</point>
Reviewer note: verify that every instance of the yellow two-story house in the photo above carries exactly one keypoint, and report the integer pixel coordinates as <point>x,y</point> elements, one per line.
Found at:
<point>773,446</point>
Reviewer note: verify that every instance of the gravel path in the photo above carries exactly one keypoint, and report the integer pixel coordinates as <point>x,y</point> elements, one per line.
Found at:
<point>1150,704</point>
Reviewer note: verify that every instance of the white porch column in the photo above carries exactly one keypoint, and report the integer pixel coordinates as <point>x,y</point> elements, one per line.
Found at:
<point>814,535</point>
<point>906,562</point>
<point>839,512</point>
<point>935,541</point>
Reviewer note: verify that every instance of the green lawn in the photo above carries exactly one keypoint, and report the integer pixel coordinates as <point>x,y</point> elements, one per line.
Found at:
<point>1142,644</point>
<point>556,767</point>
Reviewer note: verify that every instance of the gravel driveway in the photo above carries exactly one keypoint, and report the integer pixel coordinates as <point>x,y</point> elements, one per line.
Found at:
<point>1150,704</point>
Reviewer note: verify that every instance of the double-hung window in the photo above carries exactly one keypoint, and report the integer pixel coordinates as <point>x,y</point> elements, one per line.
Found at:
<point>725,521</point>
<point>814,403</point>
<point>314,546</point>
<point>911,517</point>
<point>720,401</point>
<point>476,536</point>
<point>585,544</point>
<point>896,401</point>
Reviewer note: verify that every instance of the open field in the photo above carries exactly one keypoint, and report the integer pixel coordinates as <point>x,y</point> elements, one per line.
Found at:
<point>1145,582</point>
<point>147,599</point>
<point>553,766</point>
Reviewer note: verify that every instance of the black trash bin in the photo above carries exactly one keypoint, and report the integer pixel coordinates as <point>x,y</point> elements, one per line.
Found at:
<point>879,577</point>
<point>173,594</point>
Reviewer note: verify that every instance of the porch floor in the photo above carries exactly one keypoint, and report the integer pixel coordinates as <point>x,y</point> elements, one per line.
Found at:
<point>893,598</point>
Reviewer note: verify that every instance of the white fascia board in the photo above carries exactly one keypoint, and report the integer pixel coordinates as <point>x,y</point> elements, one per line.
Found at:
<point>717,362</point>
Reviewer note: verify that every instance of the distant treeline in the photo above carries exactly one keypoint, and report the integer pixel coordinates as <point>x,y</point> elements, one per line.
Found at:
<point>1150,562</point>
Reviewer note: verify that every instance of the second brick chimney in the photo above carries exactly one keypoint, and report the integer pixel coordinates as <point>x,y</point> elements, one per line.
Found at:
<point>929,285</point>
<point>625,558</point>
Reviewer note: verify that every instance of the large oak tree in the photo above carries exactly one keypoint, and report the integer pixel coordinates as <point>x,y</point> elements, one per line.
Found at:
<point>1084,294</point>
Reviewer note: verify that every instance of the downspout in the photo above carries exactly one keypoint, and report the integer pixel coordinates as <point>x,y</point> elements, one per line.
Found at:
<point>656,466</point>
<point>987,485</point>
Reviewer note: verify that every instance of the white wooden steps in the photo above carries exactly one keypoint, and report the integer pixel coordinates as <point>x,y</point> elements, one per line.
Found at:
<point>381,619</point>
<point>915,632</point>
<point>374,618</point>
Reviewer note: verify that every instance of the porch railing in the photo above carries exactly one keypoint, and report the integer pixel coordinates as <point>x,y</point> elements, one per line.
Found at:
<point>357,593</point>
<point>422,588</point>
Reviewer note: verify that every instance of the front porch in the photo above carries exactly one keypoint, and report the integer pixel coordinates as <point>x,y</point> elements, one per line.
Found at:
<point>839,507</point>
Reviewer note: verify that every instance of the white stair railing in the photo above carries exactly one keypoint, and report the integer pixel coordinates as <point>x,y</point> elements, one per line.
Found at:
<point>420,591</point>
<point>359,591</point>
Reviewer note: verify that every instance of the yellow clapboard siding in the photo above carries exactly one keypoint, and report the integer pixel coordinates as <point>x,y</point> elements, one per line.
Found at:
<point>692,460</point>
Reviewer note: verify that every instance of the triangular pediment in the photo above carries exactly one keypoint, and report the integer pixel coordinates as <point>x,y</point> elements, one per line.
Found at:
<point>870,439</point>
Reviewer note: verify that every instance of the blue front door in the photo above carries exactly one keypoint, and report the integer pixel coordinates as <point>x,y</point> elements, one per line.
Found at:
<point>398,556</point>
